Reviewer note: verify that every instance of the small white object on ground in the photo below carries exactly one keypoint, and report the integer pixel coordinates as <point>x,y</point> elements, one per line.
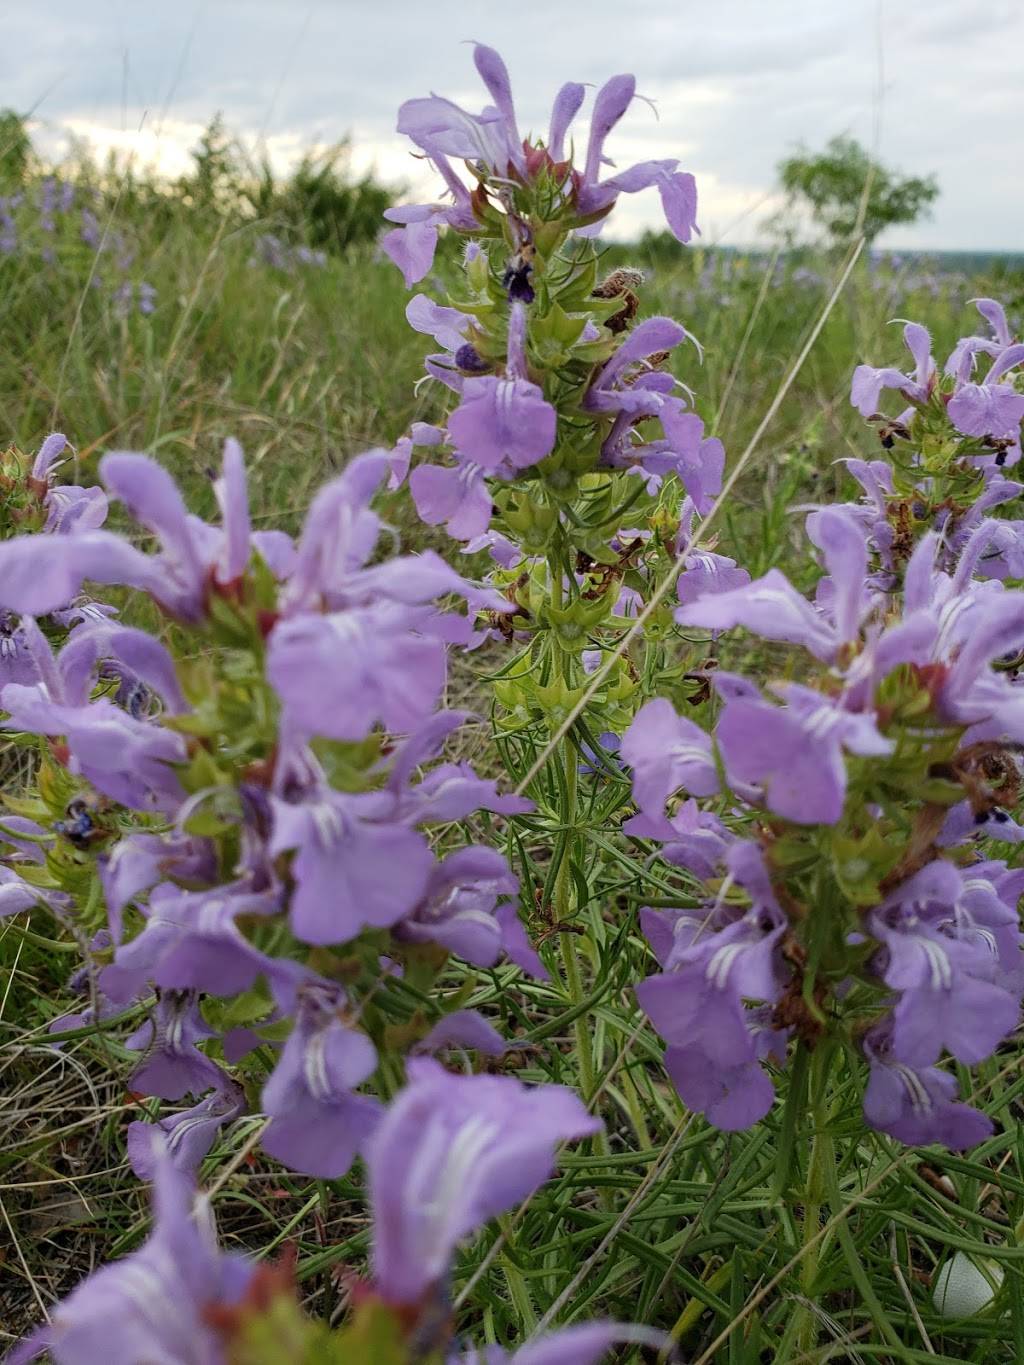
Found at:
<point>963,1287</point>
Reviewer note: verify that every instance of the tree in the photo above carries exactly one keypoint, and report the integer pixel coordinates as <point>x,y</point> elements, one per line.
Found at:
<point>848,192</point>
<point>15,150</point>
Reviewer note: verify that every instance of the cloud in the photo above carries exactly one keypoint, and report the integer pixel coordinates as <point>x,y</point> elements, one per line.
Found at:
<point>736,85</point>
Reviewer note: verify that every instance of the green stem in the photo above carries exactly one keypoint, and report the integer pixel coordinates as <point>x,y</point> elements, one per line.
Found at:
<point>820,1178</point>
<point>564,909</point>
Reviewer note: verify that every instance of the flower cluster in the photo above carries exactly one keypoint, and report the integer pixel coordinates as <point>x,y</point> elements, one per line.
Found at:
<point>851,900</point>
<point>844,906</point>
<point>449,1155</point>
<point>60,223</point>
<point>248,814</point>
<point>233,814</point>
<point>528,193</point>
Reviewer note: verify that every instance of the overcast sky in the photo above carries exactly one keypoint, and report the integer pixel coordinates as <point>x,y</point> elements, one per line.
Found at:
<point>935,85</point>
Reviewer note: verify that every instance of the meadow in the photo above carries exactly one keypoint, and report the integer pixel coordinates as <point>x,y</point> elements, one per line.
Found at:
<point>180,324</point>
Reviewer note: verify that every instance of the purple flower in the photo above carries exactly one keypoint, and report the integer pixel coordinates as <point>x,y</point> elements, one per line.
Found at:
<point>453,330</point>
<point>716,958</point>
<point>595,198</point>
<point>719,958</point>
<point>450,791</point>
<point>491,138</point>
<point>610,391</point>
<point>502,424</point>
<point>448,326</point>
<point>990,408</point>
<point>190,551</point>
<point>159,1297</point>
<point>458,906</point>
<point>129,760</point>
<point>420,434</point>
<point>792,757</point>
<point>958,627</point>
<point>42,574</point>
<point>667,752</point>
<point>190,942</point>
<point>450,1153</point>
<point>125,757</point>
<point>917,1105</point>
<point>704,571</point>
<point>339,537</point>
<point>19,656</point>
<point>172,1065</point>
<point>696,461</point>
<point>736,1096</point>
<point>582,1344</point>
<point>457,496</point>
<point>695,840</point>
<point>342,673</point>
<point>317,1124</point>
<point>493,148</point>
<point>772,608</point>
<point>500,548</point>
<point>188,1134</point>
<point>463,1029</point>
<point>17,895</point>
<point>341,844</point>
<point>68,507</point>
<point>869,382</point>
<point>138,861</point>
<point>940,954</point>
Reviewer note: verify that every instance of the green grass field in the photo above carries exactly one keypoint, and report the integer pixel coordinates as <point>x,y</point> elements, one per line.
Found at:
<point>675,1224</point>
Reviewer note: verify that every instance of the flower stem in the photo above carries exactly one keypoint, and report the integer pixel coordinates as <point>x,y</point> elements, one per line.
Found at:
<point>819,1181</point>
<point>563,909</point>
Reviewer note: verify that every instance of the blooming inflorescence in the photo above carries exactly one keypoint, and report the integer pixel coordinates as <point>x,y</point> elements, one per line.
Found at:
<point>248,819</point>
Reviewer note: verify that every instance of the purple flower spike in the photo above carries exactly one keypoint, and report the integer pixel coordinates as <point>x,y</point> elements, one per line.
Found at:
<point>317,1124</point>
<point>452,1152</point>
<point>491,144</point>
